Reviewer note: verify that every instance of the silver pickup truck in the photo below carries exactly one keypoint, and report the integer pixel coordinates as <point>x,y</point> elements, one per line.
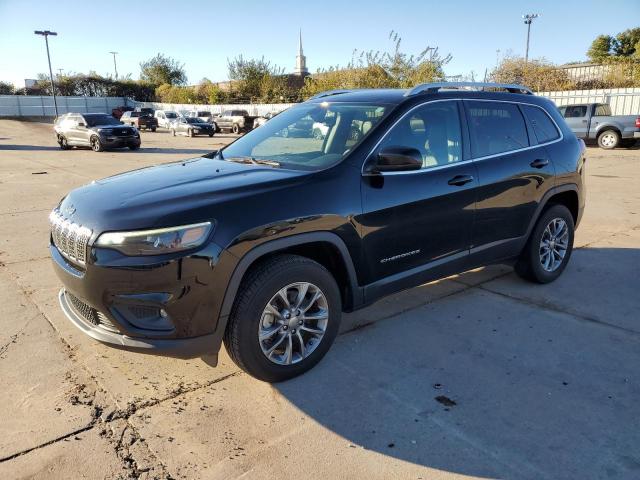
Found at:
<point>594,122</point>
<point>235,121</point>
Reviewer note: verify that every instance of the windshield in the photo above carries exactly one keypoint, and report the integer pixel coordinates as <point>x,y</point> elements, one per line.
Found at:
<point>93,120</point>
<point>193,120</point>
<point>309,136</point>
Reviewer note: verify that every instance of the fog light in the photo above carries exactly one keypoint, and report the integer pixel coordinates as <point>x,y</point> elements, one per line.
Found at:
<point>163,313</point>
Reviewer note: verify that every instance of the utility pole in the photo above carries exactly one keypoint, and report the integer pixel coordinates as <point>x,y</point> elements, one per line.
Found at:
<point>528,18</point>
<point>45,34</point>
<point>60,70</point>
<point>115,66</point>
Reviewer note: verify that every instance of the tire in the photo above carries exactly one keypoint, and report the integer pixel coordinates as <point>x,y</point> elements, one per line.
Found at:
<point>259,289</point>
<point>134,147</point>
<point>210,135</point>
<point>216,129</point>
<point>190,133</point>
<point>609,139</point>
<point>62,141</point>
<point>236,128</point>
<point>173,132</point>
<point>96,144</point>
<point>153,129</point>
<point>317,134</point>
<point>533,265</point>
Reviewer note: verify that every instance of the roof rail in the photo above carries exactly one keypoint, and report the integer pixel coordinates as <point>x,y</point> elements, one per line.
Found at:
<point>435,87</point>
<point>328,93</point>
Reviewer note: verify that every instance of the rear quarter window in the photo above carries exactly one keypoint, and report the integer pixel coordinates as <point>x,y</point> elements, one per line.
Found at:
<point>543,127</point>
<point>495,127</point>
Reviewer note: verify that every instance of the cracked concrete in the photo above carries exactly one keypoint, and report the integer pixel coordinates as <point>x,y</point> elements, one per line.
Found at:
<point>537,381</point>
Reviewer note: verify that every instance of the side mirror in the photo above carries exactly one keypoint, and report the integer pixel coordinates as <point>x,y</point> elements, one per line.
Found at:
<point>397,159</point>
<point>121,123</point>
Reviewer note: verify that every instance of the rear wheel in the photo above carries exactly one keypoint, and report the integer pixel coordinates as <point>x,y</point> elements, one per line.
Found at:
<point>153,129</point>
<point>549,247</point>
<point>211,135</point>
<point>236,128</point>
<point>609,139</point>
<point>96,144</point>
<point>285,318</point>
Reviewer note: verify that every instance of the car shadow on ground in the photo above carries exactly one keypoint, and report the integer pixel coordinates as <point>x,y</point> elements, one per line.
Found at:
<point>481,383</point>
<point>29,147</point>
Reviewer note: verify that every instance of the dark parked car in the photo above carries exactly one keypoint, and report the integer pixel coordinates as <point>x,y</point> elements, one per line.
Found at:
<point>266,242</point>
<point>191,127</point>
<point>140,120</point>
<point>96,130</point>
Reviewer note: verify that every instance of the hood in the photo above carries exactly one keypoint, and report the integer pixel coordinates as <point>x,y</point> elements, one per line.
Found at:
<point>177,193</point>
<point>115,127</point>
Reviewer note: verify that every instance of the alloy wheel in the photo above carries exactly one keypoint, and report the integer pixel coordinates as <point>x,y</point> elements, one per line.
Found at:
<point>293,323</point>
<point>554,244</point>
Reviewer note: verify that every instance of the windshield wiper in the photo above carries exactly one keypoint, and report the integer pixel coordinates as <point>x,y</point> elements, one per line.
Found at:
<point>254,161</point>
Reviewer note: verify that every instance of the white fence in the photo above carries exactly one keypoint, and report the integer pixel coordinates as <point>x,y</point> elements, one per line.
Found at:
<point>42,106</point>
<point>623,101</point>
<point>255,109</point>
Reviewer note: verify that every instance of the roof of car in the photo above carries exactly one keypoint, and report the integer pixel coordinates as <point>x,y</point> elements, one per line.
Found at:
<point>398,96</point>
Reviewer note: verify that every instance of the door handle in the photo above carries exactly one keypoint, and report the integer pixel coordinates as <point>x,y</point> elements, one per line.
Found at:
<point>460,180</point>
<point>584,121</point>
<point>539,163</point>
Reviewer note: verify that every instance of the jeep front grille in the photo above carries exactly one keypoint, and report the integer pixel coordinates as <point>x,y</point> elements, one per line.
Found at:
<point>69,238</point>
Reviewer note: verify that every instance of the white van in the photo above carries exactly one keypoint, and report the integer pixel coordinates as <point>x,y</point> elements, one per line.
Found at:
<point>166,117</point>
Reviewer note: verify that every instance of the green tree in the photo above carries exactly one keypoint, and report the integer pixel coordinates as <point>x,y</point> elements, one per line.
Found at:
<point>161,70</point>
<point>626,42</point>
<point>251,76</point>
<point>6,88</point>
<point>600,48</point>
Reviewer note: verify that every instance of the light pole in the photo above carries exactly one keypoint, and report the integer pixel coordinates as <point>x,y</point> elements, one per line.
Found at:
<point>115,66</point>
<point>528,18</point>
<point>45,34</point>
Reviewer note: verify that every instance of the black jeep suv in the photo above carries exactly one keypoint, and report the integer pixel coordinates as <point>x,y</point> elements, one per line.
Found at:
<point>265,243</point>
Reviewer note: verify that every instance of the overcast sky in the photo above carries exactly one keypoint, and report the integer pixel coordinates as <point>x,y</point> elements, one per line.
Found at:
<point>203,34</point>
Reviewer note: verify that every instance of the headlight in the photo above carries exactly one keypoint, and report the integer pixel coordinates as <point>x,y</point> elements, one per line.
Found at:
<point>157,241</point>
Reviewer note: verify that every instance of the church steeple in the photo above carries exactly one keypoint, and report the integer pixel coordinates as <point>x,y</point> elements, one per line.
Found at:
<point>301,60</point>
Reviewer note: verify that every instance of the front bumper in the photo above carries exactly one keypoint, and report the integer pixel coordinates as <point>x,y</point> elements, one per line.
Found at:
<point>111,141</point>
<point>179,348</point>
<point>165,306</point>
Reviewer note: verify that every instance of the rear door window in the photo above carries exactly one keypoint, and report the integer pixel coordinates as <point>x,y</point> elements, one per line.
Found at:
<point>603,110</point>
<point>543,127</point>
<point>495,127</point>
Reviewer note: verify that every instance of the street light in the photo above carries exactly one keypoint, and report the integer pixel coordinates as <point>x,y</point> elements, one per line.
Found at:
<point>528,18</point>
<point>45,34</point>
<point>115,66</point>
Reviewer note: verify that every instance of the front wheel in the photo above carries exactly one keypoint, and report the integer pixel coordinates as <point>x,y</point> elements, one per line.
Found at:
<point>549,247</point>
<point>62,141</point>
<point>96,144</point>
<point>190,132</point>
<point>609,139</point>
<point>236,128</point>
<point>285,318</point>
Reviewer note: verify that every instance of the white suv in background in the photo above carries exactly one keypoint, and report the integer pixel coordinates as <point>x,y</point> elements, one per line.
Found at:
<point>166,117</point>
